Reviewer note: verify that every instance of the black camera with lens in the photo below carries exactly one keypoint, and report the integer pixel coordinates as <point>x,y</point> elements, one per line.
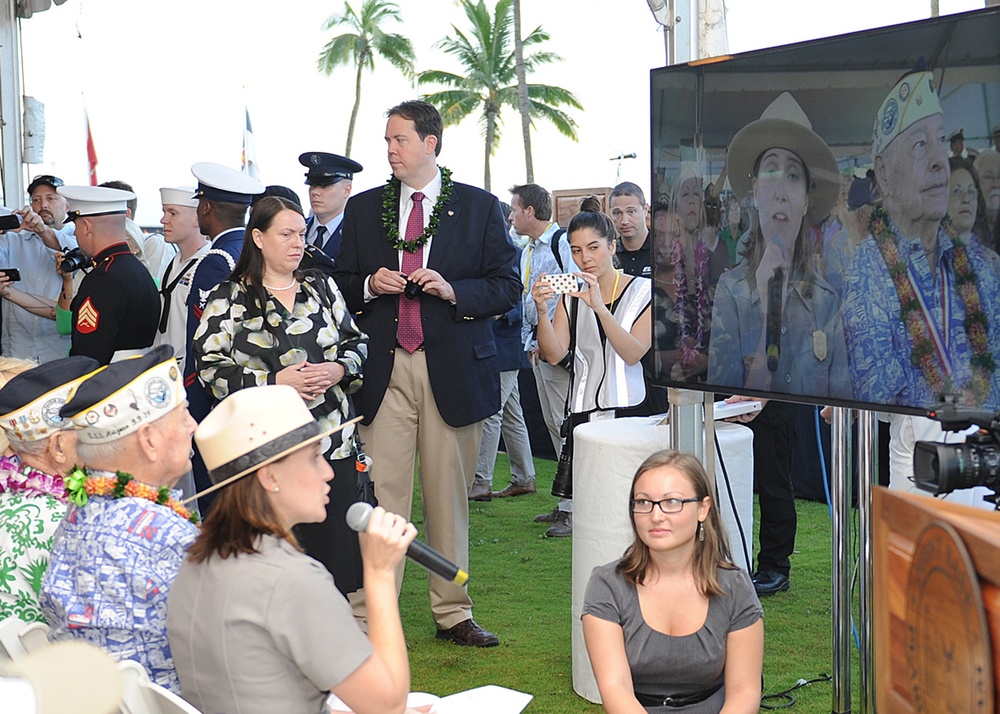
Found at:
<point>73,260</point>
<point>412,289</point>
<point>943,468</point>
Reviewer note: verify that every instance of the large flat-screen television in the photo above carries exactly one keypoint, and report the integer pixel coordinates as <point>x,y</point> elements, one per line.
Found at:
<point>826,217</point>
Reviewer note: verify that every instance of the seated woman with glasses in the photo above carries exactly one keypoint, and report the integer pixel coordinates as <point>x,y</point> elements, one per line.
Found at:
<point>674,625</point>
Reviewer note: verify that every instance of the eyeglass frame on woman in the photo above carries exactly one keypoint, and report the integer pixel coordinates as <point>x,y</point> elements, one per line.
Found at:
<point>653,504</point>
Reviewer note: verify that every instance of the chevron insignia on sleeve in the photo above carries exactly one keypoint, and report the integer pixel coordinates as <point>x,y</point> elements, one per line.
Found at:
<point>86,320</point>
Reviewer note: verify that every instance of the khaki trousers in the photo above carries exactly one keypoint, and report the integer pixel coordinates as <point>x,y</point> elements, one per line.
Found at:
<point>407,426</point>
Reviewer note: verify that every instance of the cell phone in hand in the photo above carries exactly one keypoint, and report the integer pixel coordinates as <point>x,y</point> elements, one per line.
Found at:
<point>12,274</point>
<point>564,283</point>
<point>10,222</point>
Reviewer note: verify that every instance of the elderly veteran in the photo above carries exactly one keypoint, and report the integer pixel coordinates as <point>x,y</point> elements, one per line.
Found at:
<point>32,493</point>
<point>921,305</point>
<point>257,625</point>
<point>124,535</point>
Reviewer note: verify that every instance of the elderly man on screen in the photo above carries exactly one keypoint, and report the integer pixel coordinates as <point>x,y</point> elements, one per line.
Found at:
<point>121,544</point>
<point>921,306</point>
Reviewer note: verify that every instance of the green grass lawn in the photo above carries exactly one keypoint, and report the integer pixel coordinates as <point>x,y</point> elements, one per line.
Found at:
<point>521,584</point>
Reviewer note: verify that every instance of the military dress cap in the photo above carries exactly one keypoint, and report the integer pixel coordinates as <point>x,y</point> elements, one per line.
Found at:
<point>30,402</point>
<point>911,99</point>
<point>221,183</point>
<point>179,196</point>
<point>116,400</point>
<point>957,136</point>
<point>87,201</point>
<point>326,169</point>
<point>53,182</point>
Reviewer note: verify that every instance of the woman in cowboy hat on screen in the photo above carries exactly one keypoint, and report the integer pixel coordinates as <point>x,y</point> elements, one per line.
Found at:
<point>776,322</point>
<point>255,624</point>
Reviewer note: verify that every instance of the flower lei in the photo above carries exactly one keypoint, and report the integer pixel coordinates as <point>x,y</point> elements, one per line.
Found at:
<point>80,485</point>
<point>390,213</point>
<point>976,323</point>
<point>19,478</point>
<point>691,338</point>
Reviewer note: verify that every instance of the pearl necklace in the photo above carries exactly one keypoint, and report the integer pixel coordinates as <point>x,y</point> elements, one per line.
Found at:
<point>278,290</point>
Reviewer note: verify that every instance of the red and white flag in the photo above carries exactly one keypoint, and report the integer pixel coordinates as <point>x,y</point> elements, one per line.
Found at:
<point>91,152</point>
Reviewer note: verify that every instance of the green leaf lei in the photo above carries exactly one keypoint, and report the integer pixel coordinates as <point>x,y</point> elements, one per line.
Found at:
<point>390,213</point>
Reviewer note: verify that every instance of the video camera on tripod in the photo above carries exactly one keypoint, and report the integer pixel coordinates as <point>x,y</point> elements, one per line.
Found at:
<point>943,468</point>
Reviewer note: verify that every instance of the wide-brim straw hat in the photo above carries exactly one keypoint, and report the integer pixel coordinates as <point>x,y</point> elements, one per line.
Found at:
<point>783,125</point>
<point>254,427</point>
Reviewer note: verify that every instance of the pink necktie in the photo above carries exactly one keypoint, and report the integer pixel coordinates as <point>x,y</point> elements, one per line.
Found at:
<point>410,331</point>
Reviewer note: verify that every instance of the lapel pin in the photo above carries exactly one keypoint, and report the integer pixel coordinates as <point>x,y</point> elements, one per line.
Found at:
<point>451,213</point>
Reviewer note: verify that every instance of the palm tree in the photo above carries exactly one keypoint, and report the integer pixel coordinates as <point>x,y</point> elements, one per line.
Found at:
<point>360,46</point>
<point>489,79</point>
<point>522,94</point>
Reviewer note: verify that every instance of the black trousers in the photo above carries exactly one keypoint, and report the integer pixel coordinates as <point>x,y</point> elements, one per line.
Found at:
<point>773,442</point>
<point>332,542</point>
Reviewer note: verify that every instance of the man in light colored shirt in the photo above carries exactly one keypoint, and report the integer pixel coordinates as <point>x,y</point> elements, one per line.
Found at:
<point>32,251</point>
<point>547,253</point>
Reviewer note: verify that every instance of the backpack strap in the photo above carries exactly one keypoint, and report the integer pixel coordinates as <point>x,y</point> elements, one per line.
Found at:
<point>555,248</point>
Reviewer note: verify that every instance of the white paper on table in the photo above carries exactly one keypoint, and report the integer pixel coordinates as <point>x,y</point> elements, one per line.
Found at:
<point>336,705</point>
<point>490,699</point>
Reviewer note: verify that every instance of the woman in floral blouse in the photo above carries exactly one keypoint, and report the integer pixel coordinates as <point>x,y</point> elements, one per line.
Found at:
<point>32,494</point>
<point>272,323</point>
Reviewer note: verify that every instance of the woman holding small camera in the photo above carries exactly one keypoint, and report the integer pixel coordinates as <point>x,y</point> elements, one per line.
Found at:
<point>272,323</point>
<point>606,321</point>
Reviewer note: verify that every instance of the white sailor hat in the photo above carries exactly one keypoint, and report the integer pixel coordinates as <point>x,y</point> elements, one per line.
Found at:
<point>179,196</point>
<point>87,201</point>
<point>221,183</point>
<point>116,400</point>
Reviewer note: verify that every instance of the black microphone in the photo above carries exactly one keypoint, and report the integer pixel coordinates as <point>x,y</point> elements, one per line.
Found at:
<point>357,518</point>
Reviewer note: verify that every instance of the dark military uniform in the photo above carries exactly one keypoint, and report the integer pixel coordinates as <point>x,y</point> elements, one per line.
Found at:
<point>117,306</point>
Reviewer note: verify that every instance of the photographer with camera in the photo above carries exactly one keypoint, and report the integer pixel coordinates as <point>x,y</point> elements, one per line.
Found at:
<point>605,327</point>
<point>106,326</point>
<point>30,239</point>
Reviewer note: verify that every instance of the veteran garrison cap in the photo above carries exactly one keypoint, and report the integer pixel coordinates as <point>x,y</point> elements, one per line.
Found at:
<point>117,399</point>
<point>326,169</point>
<point>221,183</point>
<point>30,402</point>
<point>87,201</point>
<point>912,98</point>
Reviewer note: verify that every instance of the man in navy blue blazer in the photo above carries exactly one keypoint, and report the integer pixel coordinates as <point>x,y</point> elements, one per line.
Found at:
<point>425,263</point>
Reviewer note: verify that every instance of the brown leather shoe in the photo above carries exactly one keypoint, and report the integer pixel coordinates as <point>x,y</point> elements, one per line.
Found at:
<point>481,492</point>
<point>515,489</point>
<point>468,634</point>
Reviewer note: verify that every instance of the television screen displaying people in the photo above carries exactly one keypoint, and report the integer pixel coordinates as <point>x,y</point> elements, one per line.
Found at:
<point>851,258</point>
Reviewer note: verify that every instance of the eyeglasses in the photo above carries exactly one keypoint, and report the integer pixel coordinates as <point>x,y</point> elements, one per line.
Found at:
<point>644,506</point>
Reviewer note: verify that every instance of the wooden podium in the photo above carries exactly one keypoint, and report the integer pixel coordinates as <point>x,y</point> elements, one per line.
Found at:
<point>936,605</point>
